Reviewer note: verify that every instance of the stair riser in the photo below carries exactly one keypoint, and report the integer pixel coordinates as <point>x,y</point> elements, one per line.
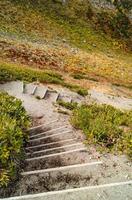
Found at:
<point>50,145</point>
<point>53,138</point>
<point>50,151</point>
<point>48,132</point>
<point>58,161</point>
<point>77,178</point>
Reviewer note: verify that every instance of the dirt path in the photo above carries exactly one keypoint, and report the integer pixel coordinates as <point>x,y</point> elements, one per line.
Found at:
<point>58,165</point>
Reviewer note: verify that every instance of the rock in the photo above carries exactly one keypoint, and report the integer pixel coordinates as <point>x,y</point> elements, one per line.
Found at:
<point>94,45</point>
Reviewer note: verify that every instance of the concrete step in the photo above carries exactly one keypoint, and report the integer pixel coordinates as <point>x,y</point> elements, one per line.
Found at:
<point>71,157</point>
<point>41,92</point>
<point>30,88</point>
<point>52,96</point>
<point>54,150</point>
<point>81,178</point>
<point>48,154</point>
<point>54,137</point>
<point>43,127</point>
<point>57,180</point>
<point>108,191</point>
<point>51,145</point>
<point>65,98</point>
<point>12,87</point>
<point>48,132</point>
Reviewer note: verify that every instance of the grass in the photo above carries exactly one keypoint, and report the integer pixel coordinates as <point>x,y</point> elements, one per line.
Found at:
<point>81,76</point>
<point>11,72</point>
<point>63,112</point>
<point>14,122</point>
<point>101,55</point>
<point>105,126</point>
<point>67,105</point>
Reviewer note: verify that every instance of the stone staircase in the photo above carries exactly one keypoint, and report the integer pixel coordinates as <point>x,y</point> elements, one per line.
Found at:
<point>58,165</point>
<point>43,92</point>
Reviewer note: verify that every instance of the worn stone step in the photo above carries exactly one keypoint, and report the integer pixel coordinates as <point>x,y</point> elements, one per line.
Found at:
<point>108,191</point>
<point>54,154</point>
<point>30,88</point>
<point>43,127</point>
<point>52,96</point>
<point>41,92</point>
<point>65,98</point>
<point>67,180</point>
<point>57,180</point>
<point>12,87</point>
<point>68,168</point>
<point>63,148</point>
<point>60,135</point>
<point>48,132</point>
<point>51,145</point>
<point>65,158</point>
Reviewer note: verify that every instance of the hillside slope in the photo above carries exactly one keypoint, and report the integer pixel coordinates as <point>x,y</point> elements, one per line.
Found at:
<point>48,35</point>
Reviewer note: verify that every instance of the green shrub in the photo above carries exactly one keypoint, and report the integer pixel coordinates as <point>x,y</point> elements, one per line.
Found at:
<point>116,24</point>
<point>76,88</point>
<point>78,76</point>
<point>12,72</point>
<point>14,121</point>
<point>105,126</point>
<point>67,105</point>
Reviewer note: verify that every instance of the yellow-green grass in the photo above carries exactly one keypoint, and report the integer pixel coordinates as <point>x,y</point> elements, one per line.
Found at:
<point>100,56</point>
<point>107,127</point>
<point>12,72</point>
<point>14,121</point>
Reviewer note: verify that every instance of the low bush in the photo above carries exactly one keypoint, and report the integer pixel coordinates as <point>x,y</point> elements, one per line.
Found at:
<point>14,121</point>
<point>106,126</point>
<point>76,88</point>
<point>68,105</point>
<point>116,24</point>
<point>10,72</point>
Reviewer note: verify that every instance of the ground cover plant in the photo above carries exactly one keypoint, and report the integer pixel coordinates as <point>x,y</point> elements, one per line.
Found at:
<point>106,126</point>
<point>11,72</point>
<point>49,21</point>
<point>13,123</point>
<point>67,105</point>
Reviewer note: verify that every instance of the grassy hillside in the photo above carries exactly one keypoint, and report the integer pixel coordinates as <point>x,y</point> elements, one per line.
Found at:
<point>72,35</point>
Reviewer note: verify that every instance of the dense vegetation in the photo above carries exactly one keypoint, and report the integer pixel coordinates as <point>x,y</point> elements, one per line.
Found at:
<point>45,22</point>
<point>107,127</point>
<point>13,122</point>
<point>67,105</point>
<point>116,23</point>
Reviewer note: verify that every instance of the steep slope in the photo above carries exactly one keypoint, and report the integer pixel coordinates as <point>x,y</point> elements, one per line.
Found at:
<point>46,34</point>
<point>58,164</point>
